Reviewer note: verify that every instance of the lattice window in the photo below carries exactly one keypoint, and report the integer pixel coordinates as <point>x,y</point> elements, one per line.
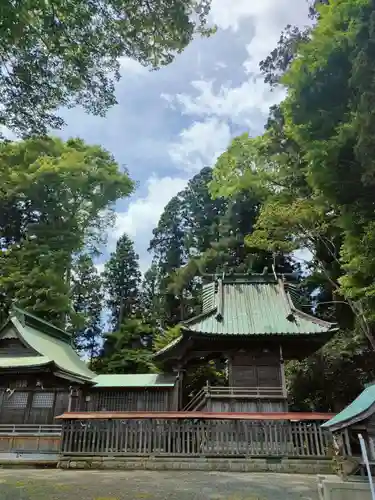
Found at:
<point>17,400</point>
<point>43,400</point>
<point>19,384</point>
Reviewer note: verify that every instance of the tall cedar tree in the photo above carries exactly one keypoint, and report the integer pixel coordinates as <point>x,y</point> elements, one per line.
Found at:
<point>167,246</point>
<point>205,235</point>
<point>122,279</point>
<point>126,347</point>
<point>87,296</point>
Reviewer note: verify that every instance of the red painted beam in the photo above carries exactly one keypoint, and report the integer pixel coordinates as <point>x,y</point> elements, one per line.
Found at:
<point>191,415</point>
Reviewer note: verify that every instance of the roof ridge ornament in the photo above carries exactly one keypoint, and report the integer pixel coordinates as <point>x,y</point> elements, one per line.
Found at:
<point>220,299</point>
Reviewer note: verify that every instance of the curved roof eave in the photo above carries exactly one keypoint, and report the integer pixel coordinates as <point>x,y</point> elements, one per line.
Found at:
<point>168,347</point>
<point>60,353</point>
<point>361,408</point>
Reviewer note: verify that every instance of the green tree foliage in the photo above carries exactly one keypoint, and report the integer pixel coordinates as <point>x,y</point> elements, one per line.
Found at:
<point>63,53</point>
<point>334,133</point>
<point>121,281</point>
<point>165,337</point>
<point>312,169</point>
<point>56,198</point>
<point>167,246</point>
<point>125,350</point>
<point>87,297</point>
<point>150,299</point>
<point>313,384</point>
<point>199,235</point>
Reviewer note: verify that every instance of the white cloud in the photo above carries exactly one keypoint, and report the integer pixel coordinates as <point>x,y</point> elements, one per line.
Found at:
<point>7,134</point>
<point>246,104</point>
<point>200,145</point>
<point>241,105</point>
<point>100,267</point>
<point>131,66</point>
<point>143,214</point>
<point>270,17</point>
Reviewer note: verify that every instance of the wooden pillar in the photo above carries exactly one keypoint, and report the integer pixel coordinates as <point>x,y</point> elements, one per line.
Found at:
<point>230,369</point>
<point>73,399</point>
<point>181,373</point>
<point>282,371</point>
<point>178,389</point>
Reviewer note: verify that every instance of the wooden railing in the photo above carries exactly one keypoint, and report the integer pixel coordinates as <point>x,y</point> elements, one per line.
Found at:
<point>197,400</point>
<point>224,392</point>
<point>246,392</point>
<point>163,436</point>
<point>30,430</point>
<point>25,440</point>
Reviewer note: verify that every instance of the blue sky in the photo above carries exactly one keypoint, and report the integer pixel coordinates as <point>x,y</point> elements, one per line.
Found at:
<point>170,123</point>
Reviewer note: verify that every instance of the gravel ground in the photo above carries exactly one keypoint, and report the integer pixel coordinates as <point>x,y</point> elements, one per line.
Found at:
<point>97,485</point>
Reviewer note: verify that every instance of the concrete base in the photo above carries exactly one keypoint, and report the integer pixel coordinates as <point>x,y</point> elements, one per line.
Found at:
<point>335,488</point>
<point>288,465</point>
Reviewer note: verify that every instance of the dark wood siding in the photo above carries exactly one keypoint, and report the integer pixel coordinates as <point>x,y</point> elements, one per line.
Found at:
<point>249,371</point>
<point>32,398</point>
<point>131,400</point>
<point>248,406</point>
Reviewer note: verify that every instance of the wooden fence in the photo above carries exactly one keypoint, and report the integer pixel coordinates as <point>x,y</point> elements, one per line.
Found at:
<point>20,441</point>
<point>236,437</point>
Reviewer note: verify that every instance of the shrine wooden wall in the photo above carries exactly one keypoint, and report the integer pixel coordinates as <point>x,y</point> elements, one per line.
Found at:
<point>255,369</point>
<point>130,400</point>
<point>238,405</point>
<point>31,399</point>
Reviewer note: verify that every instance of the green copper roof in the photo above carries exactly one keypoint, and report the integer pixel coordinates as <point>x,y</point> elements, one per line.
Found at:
<point>24,361</point>
<point>52,345</point>
<point>254,307</point>
<point>139,380</point>
<point>251,306</point>
<point>362,407</point>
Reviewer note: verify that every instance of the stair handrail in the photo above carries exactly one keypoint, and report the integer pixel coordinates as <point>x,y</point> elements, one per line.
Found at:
<point>197,399</point>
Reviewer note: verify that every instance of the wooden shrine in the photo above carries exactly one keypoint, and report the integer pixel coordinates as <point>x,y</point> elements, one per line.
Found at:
<point>41,377</point>
<point>253,323</point>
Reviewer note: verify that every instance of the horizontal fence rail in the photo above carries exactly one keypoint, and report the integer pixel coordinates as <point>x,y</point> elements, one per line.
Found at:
<point>194,437</point>
<point>250,392</point>
<point>228,392</point>
<point>23,439</point>
<point>25,429</point>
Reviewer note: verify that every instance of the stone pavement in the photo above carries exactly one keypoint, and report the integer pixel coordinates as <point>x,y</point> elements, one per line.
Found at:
<point>29,484</point>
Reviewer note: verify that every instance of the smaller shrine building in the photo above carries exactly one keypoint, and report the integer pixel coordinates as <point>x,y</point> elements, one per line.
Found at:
<point>41,377</point>
<point>251,322</point>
